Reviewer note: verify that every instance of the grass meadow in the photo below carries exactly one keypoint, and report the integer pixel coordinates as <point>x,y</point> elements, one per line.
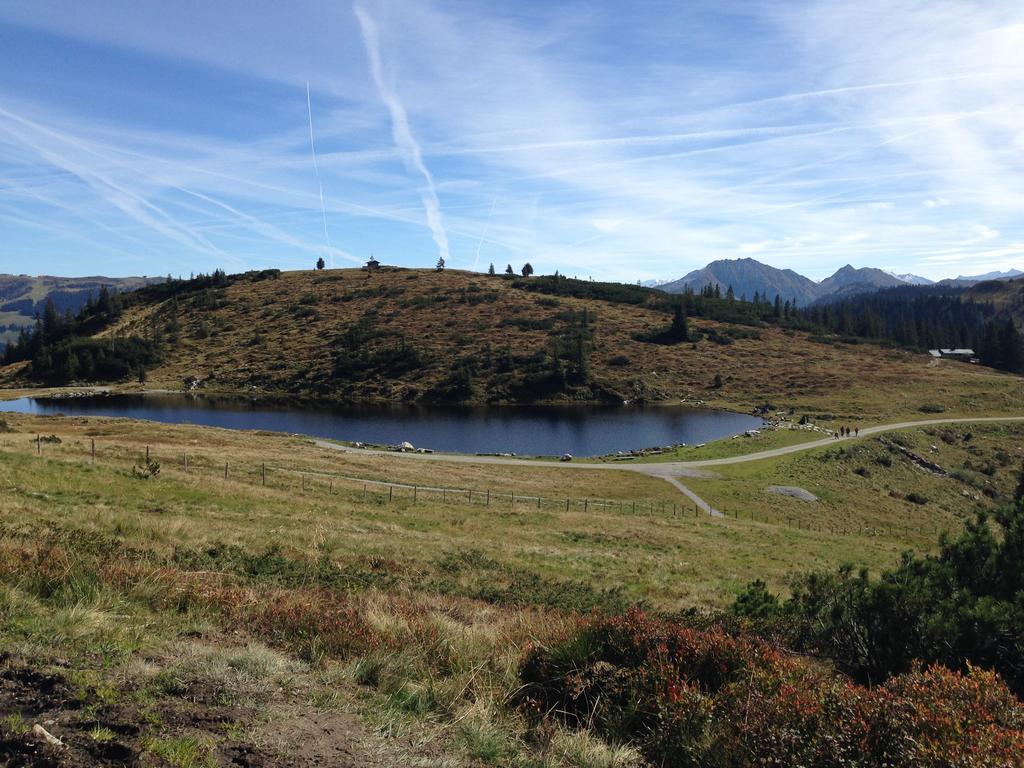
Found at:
<point>186,618</point>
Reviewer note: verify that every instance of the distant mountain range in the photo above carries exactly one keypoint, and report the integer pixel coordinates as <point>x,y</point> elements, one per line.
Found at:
<point>1007,275</point>
<point>748,276</point>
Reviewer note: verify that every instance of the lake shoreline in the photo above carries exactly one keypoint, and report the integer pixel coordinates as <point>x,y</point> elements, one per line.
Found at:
<point>516,429</point>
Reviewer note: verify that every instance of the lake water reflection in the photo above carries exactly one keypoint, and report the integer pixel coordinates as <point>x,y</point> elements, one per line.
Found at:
<point>524,430</point>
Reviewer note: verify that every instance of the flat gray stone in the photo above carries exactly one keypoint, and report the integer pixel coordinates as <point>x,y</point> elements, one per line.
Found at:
<point>791,490</point>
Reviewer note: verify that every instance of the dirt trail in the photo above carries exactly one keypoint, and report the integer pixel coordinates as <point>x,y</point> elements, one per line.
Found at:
<point>290,732</point>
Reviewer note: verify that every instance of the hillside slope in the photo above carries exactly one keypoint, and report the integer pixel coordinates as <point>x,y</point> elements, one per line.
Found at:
<point>414,335</point>
<point>1005,295</point>
<point>22,296</point>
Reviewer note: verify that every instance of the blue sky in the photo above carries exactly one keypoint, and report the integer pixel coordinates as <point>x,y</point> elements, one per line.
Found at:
<point>614,140</point>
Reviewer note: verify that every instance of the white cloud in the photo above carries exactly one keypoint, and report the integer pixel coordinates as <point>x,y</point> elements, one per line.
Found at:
<point>607,225</point>
<point>854,237</point>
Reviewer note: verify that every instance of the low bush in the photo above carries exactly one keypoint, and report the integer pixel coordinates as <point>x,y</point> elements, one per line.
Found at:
<point>690,697</point>
<point>960,607</point>
<point>313,624</point>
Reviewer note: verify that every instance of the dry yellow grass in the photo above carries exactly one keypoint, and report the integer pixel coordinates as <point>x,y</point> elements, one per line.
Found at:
<point>671,562</point>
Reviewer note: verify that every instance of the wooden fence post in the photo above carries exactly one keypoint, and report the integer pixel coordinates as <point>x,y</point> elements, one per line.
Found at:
<point>39,445</point>
<point>330,488</point>
<point>488,498</point>
<point>184,458</point>
<point>147,454</point>
<point>566,505</point>
<point>263,472</point>
<point>414,493</point>
<point>538,502</point>
<point>225,470</point>
<point>391,492</point>
<point>94,449</point>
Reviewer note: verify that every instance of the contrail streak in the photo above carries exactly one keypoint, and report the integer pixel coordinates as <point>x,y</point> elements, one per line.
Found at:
<point>402,133</point>
<point>316,168</point>
<point>135,205</point>
<point>487,225</point>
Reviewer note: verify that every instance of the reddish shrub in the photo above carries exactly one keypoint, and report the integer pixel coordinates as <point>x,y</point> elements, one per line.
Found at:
<point>702,697</point>
<point>314,623</point>
<point>936,717</point>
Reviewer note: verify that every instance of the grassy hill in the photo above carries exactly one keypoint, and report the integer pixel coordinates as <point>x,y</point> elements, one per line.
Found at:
<point>22,297</point>
<point>416,335</point>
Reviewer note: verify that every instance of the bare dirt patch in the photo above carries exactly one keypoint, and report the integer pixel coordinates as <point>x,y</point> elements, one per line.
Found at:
<point>287,733</point>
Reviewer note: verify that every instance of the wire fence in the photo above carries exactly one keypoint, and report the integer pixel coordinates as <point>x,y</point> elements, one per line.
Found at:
<point>201,464</point>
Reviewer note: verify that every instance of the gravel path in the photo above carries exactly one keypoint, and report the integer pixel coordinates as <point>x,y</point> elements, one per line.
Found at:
<point>670,472</point>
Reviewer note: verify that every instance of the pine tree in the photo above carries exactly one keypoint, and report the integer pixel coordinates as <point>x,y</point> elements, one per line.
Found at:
<point>679,331</point>
<point>320,264</point>
<point>1012,347</point>
<point>527,269</point>
<point>490,269</point>
<point>509,271</point>
<point>440,264</point>
<point>51,321</point>
<point>103,302</point>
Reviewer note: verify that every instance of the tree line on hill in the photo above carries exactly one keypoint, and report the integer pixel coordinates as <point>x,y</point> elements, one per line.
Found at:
<point>923,318</point>
<point>61,347</point>
<point>60,351</point>
<point>913,317</point>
